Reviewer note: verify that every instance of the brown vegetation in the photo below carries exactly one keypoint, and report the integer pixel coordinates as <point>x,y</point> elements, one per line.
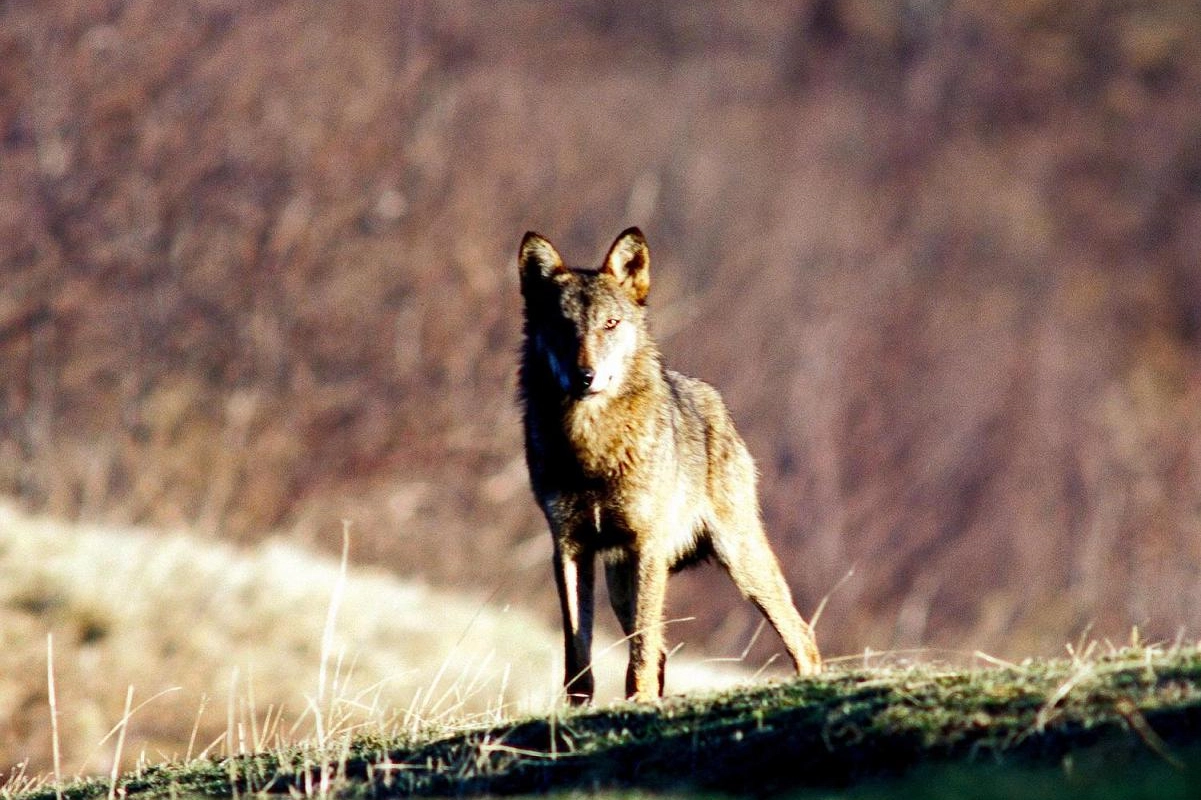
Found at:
<point>258,274</point>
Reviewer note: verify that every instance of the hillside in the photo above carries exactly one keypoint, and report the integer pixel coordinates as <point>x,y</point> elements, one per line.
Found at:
<point>941,258</point>
<point>226,649</point>
<point>1124,725</point>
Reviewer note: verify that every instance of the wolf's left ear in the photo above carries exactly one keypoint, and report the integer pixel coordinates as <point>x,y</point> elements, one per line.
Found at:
<point>538,258</point>
<point>629,261</point>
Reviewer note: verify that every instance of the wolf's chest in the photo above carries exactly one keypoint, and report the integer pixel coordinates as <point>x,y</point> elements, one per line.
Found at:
<point>609,443</point>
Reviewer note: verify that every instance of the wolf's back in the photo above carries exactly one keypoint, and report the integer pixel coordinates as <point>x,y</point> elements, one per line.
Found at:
<point>704,431</point>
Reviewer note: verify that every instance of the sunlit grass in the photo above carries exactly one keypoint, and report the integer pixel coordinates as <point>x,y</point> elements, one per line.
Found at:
<point>168,647</point>
<point>1128,713</point>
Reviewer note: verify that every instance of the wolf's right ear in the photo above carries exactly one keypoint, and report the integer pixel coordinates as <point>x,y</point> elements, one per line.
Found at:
<point>538,259</point>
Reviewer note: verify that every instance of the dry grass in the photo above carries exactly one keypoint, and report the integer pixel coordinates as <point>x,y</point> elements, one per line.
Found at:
<point>941,259</point>
<point>170,645</point>
<point>1108,722</point>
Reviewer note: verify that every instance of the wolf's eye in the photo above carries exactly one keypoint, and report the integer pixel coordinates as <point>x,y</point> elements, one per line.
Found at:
<point>610,324</point>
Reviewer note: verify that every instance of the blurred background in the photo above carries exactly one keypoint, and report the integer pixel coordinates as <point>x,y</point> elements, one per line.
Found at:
<point>943,259</point>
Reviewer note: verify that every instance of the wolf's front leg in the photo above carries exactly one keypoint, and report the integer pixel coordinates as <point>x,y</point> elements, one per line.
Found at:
<point>623,587</point>
<point>574,577</point>
<point>644,681</point>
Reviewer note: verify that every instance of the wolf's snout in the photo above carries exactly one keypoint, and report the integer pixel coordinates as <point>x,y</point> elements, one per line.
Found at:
<point>586,376</point>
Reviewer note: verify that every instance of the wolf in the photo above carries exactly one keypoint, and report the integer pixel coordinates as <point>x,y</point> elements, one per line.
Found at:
<point>633,463</point>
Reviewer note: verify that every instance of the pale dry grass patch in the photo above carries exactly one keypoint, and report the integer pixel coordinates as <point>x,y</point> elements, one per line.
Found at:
<point>220,650</point>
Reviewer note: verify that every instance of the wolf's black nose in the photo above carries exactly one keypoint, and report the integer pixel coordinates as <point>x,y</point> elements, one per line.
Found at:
<point>587,376</point>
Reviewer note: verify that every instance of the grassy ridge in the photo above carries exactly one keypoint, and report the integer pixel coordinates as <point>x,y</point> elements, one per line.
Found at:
<point>1139,707</point>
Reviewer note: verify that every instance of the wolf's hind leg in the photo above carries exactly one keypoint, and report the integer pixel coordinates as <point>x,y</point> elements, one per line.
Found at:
<point>748,558</point>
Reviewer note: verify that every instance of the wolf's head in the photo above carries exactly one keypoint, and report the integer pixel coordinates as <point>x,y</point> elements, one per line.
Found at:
<point>586,327</point>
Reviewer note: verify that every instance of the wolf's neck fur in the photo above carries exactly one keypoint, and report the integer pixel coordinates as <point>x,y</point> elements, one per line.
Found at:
<point>610,435</point>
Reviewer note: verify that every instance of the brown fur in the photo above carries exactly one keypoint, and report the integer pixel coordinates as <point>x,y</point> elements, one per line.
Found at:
<point>633,462</point>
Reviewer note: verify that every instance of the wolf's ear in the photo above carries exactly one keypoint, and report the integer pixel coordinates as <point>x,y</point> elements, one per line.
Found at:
<point>538,259</point>
<point>629,261</point>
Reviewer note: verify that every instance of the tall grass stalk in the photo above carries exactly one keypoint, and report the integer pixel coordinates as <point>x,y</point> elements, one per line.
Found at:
<point>204,699</point>
<point>57,751</point>
<point>331,618</point>
<point>123,725</point>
